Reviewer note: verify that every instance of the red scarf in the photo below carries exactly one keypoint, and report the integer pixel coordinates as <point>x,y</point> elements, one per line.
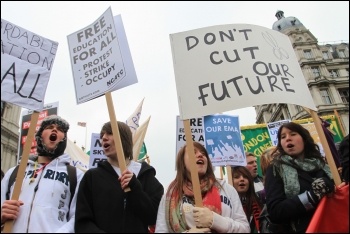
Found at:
<point>211,199</point>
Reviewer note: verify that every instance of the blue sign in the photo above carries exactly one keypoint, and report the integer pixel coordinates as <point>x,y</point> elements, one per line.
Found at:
<point>223,140</point>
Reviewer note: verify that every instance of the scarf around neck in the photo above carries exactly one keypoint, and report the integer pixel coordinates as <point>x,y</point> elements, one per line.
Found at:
<point>288,166</point>
<point>174,218</point>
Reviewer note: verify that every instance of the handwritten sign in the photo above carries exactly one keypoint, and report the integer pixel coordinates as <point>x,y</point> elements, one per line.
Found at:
<point>226,67</point>
<point>26,63</point>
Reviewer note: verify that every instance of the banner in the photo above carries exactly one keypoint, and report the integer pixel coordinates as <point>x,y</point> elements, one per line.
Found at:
<point>256,138</point>
<point>332,213</point>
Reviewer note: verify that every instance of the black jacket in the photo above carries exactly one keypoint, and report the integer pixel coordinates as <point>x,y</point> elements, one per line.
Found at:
<point>285,210</point>
<point>102,205</point>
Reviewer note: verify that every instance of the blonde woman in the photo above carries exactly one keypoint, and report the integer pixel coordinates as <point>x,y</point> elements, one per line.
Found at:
<point>222,211</point>
<point>266,157</point>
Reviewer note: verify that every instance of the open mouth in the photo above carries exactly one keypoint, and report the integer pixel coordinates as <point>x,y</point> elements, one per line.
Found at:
<point>290,146</point>
<point>200,162</point>
<point>53,137</point>
<point>106,146</point>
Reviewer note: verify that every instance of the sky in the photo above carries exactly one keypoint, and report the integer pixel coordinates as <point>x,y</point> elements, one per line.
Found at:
<point>148,26</point>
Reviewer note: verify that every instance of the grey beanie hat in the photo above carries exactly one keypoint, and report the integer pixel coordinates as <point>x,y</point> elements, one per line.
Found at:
<point>61,146</point>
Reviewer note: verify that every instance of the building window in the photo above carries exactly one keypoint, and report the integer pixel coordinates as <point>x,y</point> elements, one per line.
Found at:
<point>325,54</point>
<point>316,71</point>
<point>325,96</point>
<point>307,54</point>
<point>341,53</point>
<point>333,73</point>
<point>344,95</point>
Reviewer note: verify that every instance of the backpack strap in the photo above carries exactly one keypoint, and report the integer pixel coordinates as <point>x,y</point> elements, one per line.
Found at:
<point>11,181</point>
<point>72,176</point>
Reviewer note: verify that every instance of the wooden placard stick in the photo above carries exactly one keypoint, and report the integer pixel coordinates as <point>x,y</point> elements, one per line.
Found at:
<point>22,166</point>
<point>229,175</point>
<point>340,122</point>
<point>194,171</point>
<point>116,135</point>
<point>325,146</point>
<point>221,173</point>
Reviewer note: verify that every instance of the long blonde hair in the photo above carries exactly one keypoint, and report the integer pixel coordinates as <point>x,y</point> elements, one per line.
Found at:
<point>182,175</point>
<point>266,157</point>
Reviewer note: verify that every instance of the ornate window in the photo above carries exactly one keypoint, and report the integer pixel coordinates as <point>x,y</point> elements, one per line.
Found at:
<point>325,55</point>
<point>316,71</point>
<point>308,54</point>
<point>344,95</point>
<point>341,53</point>
<point>333,73</point>
<point>325,96</point>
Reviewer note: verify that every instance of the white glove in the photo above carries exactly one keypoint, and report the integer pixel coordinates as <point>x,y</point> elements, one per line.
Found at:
<point>198,230</point>
<point>203,217</point>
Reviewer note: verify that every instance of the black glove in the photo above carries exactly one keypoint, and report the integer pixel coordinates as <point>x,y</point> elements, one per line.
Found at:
<point>320,187</point>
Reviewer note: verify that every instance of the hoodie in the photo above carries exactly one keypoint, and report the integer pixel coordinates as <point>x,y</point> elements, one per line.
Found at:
<point>45,196</point>
<point>232,218</point>
<point>104,207</point>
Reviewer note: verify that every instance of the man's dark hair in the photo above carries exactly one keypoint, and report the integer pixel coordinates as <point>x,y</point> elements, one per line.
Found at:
<point>125,137</point>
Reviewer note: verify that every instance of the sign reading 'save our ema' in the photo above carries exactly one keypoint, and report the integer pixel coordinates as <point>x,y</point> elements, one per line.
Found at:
<point>227,67</point>
<point>219,134</point>
<point>100,58</point>
<point>26,63</point>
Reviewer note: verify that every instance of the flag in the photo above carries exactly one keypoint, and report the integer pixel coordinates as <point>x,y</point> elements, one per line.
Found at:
<point>332,213</point>
<point>223,170</point>
<point>138,139</point>
<point>133,120</point>
<point>82,124</point>
<point>143,151</point>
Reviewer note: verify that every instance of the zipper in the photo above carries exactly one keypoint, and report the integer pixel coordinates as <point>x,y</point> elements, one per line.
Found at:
<point>31,206</point>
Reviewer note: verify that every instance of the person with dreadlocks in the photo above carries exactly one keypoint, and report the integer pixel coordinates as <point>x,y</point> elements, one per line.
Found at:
<point>222,210</point>
<point>45,204</point>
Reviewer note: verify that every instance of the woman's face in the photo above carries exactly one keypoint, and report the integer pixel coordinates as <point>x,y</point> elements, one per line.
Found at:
<point>292,143</point>
<point>240,182</point>
<point>200,159</point>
